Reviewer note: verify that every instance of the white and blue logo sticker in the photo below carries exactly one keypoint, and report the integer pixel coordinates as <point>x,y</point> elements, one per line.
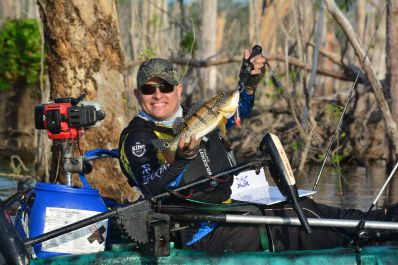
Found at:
<point>138,149</point>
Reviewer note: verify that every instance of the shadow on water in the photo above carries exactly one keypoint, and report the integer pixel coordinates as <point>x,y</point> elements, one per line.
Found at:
<point>358,188</point>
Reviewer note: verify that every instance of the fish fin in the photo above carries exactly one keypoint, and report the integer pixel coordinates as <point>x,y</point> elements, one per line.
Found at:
<point>237,118</point>
<point>194,108</point>
<point>221,126</point>
<point>161,144</point>
<point>178,124</point>
<point>168,156</point>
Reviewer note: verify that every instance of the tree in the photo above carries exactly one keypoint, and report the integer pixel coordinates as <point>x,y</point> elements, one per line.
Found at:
<point>392,58</point>
<point>207,46</point>
<point>390,124</point>
<point>392,73</point>
<point>84,56</point>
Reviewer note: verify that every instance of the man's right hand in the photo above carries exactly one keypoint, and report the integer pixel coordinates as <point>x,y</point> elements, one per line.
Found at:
<point>190,150</point>
<point>256,74</point>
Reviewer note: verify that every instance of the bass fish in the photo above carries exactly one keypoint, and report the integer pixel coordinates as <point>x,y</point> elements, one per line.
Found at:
<point>203,119</point>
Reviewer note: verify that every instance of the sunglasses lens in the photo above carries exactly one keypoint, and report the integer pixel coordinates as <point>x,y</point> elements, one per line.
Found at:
<point>166,88</point>
<point>149,89</point>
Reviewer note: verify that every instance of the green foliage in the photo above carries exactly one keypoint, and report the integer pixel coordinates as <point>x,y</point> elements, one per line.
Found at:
<point>17,170</point>
<point>155,21</point>
<point>337,158</point>
<point>294,74</point>
<point>147,54</point>
<point>188,42</point>
<point>295,145</point>
<point>20,52</point>
<point>344,5</point>
<point>334,111</point>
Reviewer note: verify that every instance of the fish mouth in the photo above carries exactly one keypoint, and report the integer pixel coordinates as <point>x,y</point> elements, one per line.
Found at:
<point>231,104</point>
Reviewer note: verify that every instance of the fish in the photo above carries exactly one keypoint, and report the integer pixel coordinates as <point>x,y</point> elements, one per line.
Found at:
<point>202,120</point>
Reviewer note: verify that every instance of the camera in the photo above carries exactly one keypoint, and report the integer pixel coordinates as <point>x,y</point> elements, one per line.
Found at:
<point>66,117</point>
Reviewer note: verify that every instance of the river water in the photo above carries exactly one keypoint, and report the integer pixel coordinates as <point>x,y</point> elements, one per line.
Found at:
<point>7,187</point>
<point>357,188</point>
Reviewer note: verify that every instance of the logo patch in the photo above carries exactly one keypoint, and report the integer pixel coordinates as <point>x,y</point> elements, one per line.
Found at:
<point>242,182</point>
<point>138,149</point>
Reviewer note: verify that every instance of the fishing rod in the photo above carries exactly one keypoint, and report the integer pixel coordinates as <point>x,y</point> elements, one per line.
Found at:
<point>362,235</point>
<point>271,149</point>
<point>361,226</point>
<point>118,210</point>
<point>16,251</point>
<point>270,145</point>
<point>346,105</point>
<point>279,84</point>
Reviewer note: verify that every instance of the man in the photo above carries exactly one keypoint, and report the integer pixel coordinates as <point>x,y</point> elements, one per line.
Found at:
<point>159,95</point>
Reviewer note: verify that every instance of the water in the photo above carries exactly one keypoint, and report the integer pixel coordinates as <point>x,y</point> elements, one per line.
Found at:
<point>358,189</point>
<point>7,187</point>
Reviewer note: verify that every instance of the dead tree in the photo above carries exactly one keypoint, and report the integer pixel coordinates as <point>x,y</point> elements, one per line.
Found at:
<point>84,56</point>
<point>390,124</point>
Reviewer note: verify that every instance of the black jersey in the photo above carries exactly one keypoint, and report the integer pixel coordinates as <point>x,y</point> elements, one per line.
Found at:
<point>150,170</point>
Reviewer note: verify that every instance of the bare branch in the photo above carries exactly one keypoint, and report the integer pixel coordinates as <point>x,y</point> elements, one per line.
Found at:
<point>391,126</point>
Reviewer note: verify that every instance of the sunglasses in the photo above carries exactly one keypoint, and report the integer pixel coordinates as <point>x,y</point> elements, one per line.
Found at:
<point>149,89</point>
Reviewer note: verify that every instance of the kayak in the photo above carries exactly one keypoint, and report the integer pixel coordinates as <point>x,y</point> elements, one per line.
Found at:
<point>135,217</point>
<point>123,254</point>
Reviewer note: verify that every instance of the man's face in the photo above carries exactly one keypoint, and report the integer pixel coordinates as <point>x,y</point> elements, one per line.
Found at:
<point>159,105</point>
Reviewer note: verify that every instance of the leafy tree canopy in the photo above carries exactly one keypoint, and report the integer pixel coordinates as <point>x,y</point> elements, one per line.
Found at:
<point>20,52</point>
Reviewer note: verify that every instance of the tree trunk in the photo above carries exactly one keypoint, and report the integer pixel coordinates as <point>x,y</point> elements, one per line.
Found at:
<point>255,11</point>
<point>146,34</point>
<point>273,13</point>
<point>392,58</point>
<point>392,74</point>
<point>6,10</point>
<point>84,56</point>
<point>391,125</point>
<point>221,19</point>
<point>207,47</point>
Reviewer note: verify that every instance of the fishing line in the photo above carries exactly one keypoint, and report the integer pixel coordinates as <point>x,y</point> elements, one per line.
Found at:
<point>342,107</point>
<point>190,52</point>
<point>275,78</point>
<point>348,100</point>
<point>278,83</point>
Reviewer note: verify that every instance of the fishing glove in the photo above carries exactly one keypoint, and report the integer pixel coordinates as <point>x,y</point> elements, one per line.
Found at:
<point>248,80</point>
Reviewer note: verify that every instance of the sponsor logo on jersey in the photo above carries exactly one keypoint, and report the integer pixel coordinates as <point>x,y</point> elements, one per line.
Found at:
<point>205,160</point>
<point>138,149</point>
